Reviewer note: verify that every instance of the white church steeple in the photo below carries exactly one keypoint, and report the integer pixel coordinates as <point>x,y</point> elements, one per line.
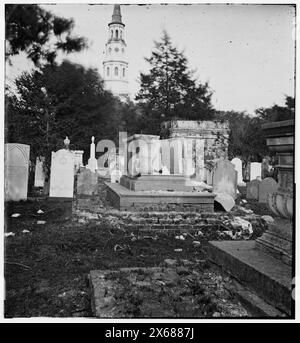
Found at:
<point>115,65</point>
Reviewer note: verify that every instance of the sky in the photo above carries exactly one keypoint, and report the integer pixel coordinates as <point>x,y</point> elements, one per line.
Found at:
<point>246,53</point>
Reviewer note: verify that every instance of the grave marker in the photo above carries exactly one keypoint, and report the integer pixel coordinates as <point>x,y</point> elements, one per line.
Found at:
<point>225,178</point>
<point>252,189</point>
<point>267,186</point>
<point>16,157</point>
<point>62,174</point>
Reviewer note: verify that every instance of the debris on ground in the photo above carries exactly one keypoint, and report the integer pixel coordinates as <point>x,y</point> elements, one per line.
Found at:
<point>268,219</point>
<point>41,222</point>
<point>40,211</point>
<point>15,215</point>
<point>8,234</point>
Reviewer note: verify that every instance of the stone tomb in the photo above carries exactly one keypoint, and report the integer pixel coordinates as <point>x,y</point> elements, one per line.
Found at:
<point>146,185</point>
<point>62,174</point>
<point>266,187</point>
<point>16,160</point>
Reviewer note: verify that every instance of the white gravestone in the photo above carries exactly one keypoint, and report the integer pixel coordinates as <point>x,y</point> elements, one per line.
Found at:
<point>39,175</point>
<point>225,178</point>
<point>62,174</point>
<point>255,170</point>
<point>92,162</point>
<point>238,165</point>
<point>16,157</point>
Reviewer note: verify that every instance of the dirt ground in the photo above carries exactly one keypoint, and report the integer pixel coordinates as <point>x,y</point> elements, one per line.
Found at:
<point>48,258</point>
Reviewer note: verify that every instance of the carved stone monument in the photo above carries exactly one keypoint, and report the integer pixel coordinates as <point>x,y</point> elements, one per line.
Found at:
<point>264,265</point>
<point>278,239</point>
<point>92,162</point>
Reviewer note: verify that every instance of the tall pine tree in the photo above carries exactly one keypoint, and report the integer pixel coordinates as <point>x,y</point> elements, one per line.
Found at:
<point>169,90</point>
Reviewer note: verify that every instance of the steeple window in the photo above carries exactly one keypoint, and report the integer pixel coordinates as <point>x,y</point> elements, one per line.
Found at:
<point>116,71</point>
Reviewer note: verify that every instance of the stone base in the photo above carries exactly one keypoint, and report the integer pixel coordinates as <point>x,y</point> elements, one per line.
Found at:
<point>278,240</point>
<point>155,183</point>
<point>267,276</point>
<point>125,199</point>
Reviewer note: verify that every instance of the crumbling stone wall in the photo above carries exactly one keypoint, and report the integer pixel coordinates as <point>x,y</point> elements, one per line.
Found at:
<point>214,133</point>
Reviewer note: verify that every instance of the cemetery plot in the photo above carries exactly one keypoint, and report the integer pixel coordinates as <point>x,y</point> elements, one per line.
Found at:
<point>162,292</point>
<point>48,259</point>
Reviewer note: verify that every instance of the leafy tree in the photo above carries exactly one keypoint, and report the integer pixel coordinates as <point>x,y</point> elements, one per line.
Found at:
<point>169,90</point>
<point>59,101</point>
<point>278,113</point>
<point>30,28</point>
<point>246,138</point>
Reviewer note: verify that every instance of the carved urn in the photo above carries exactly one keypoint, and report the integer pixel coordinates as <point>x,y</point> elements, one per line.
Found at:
<point>278,239</point>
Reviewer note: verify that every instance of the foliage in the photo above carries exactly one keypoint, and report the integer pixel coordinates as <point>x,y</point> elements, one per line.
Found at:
<point>59,101</point>
<point>278,113</point>
<point>169,90</point>
<point>30,28</point>
<point>247,139</point>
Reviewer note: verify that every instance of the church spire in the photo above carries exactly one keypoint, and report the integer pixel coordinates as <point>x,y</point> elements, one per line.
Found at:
<point>115,65</point>
<point>116,17</point>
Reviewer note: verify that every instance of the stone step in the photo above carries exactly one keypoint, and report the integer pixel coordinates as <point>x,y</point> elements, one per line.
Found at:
<point>257,306</point>
<point>265,275</point>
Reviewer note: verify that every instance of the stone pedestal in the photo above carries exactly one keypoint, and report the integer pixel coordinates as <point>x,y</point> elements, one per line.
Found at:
<point>264,265</point>
<point>278,239</point>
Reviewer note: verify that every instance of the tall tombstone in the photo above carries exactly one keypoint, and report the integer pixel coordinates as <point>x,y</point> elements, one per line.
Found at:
<point>92,161</point>
<point>252,189</point>
<point>255,170</point>
<point>238,164</point>
<point>225,178</point>
<point>266,187</point>
<point>16,160</point>
<point>39,176</point>
<point>62,174</point>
